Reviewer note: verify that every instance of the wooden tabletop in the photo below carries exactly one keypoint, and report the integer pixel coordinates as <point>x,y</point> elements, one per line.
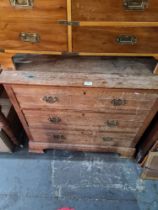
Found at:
<point>135,73</point>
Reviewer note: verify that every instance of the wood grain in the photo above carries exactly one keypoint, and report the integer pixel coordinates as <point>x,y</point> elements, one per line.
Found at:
<point>38,147</point>
<point>82,138</point>
<point>117,80</point>
<point>82,120</point>
<point>6,61</point>
<point>42,10</point>
<point>52,36</point>
<point>14,102</point>
<point>104,40</point>
<point>113,10</point>
<point>100,100</point>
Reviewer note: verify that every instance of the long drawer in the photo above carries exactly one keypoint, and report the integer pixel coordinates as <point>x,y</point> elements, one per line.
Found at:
<point>34,10</point>
<point>82,138</point>
<point>95,99</point>
<point>70,120</point>
<point>33,36</point>
<point>115,39</point>
<point>115,10</point>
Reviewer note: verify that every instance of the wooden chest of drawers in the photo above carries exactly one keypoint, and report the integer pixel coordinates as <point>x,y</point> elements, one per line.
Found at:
<point>94,109</point>
<point>103,27</point>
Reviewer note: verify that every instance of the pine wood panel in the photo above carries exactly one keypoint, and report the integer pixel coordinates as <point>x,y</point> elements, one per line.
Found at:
<point>104,39</point>
<point>43,9</point>
<point>71,120</point>
<point>82,137</point>
<point>83,99</point>
<point>111,10</point>
<point>53,37</point>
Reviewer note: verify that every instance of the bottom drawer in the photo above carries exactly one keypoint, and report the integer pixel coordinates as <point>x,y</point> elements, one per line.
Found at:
<point>83,138</point>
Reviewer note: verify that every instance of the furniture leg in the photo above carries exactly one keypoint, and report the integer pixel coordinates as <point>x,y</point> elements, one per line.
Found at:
<point>156,68</point>
<point>6,61</point>
<point>7,128</point>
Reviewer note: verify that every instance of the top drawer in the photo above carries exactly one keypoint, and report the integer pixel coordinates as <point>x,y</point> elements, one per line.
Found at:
<point>33,9</point>
<point>95,99</point>
<point>115,10</point>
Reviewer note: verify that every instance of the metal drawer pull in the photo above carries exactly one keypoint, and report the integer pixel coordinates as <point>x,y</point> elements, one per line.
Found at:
<point>107,139</point>
<point>119,102</point>
<point>135,4</point>
<point>30,37</point>
<point>50,99</point>
<point>112,123</point>
<point>125,39</point>
<point>22,3</point>
<point>59,137</point>
<point>54,120</point>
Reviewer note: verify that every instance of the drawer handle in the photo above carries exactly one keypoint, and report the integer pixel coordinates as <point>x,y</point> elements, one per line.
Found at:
<point>107,139</point>
<point>112,123</point>
<point>119,102</point>
<point>135,4</point>
<point>30,37</point>
<point>54,120</point>
<point>59,137</point>
<point>22,3</point>
<point>50,99</point>
<point>126,40</point>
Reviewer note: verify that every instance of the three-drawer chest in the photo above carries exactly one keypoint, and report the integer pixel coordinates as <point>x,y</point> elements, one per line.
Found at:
<point>78,27</point>
<point>85,104</point>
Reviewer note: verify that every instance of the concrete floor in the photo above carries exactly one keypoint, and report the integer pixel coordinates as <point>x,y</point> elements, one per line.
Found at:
<point>81,181</point>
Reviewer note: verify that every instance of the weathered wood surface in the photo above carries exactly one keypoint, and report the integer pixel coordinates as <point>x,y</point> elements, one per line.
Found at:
<point>79,95</point>
<point>83,138</point>
<point>79,80</point>
<point>75,64</point>
<point>95,99</point>
<point>73,120</point>
<point>98,72</point>
<point>38,147</point>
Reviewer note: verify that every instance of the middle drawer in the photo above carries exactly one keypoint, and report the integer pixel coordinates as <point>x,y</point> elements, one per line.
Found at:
<point>71,120</point>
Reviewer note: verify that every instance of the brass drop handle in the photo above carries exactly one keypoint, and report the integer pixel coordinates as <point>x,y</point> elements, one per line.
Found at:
<point>119,102</point>
<point>33,38</point>
<point>50,99</point>
<point>107,139</point>
<point>22,3</point>
<point>59,137</point>
<point>126,40</point>
<point>112,123</point>
<point>54,120</point>
<point>135,4</point>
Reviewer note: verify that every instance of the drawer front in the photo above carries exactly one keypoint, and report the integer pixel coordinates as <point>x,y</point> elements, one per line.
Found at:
<point>95,99</point>
<point>115,10</point>
<point>81,120</point>
<point>33,36</point>
<point>115,39</point>
<point>82,138</point>
<point>32,10</point>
